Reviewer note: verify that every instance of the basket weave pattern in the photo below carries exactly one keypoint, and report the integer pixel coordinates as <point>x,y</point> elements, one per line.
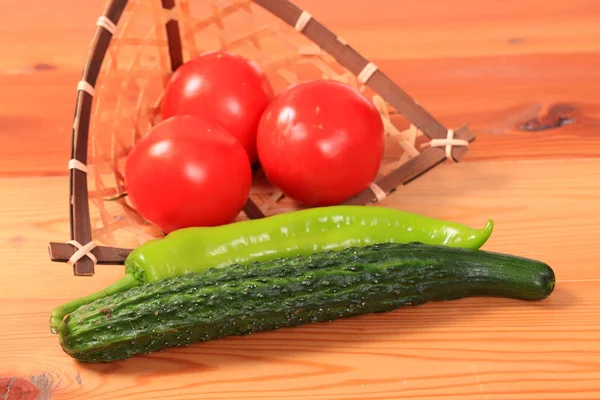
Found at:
<point>140,57</point>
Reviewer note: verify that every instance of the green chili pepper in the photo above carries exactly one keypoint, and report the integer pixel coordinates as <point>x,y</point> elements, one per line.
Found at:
<point>284,235</point>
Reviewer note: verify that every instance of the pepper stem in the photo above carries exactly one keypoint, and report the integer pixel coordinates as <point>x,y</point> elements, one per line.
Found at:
<point>485,234</point>
<point>59,313</point>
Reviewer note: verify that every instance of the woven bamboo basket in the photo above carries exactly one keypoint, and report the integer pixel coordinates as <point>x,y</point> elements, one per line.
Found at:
<point>136,47</point>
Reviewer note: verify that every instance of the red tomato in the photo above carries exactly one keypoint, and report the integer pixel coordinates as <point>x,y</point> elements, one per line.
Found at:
<point>227,88</point>
<point>188,172</point>
<point>321,142</point>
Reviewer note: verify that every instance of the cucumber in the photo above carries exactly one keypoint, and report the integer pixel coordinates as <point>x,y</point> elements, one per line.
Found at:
<point>287,292</point>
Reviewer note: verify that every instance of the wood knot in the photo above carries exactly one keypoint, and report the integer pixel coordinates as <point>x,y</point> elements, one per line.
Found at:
<point>18,389</point>
<point>44,67</point>
<point>551,117</point>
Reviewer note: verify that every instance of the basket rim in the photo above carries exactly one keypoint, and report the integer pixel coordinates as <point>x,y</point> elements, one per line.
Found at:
<point>83,254</point>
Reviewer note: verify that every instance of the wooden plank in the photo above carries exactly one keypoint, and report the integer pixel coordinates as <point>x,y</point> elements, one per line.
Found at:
<point>524,57</point>
<point>36,116</point>
<point>51,33</point>
<point>434,29</point>
<point>426,29</point>
<point>496,96</point>
<point>473,348</point>
<point>491,65</point>
<point>540,209</point>
<point>493,97</point>
<point>532,205</point>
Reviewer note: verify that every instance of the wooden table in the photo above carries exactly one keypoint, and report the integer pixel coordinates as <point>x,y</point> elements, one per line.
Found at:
<point>493,65</point>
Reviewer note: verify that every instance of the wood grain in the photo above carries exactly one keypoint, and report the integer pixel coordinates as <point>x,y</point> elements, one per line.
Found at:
<point>493,65</point>
<point>474,348</point>
<point>486,64</point>
<point>481,349</point>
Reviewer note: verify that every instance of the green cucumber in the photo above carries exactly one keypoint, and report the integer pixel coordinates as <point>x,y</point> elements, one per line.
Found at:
<point>286,292</point>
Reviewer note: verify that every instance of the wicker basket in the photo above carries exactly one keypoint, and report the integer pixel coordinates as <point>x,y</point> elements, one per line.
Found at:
<point>137,45</point>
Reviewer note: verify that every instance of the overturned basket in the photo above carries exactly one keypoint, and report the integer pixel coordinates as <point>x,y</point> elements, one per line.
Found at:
<point>139,43</point>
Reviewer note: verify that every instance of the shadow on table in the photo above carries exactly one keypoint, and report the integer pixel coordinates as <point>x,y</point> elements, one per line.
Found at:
<point>394,333</point>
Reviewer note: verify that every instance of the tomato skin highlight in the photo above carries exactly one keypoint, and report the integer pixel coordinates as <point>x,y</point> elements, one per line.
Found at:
<point>188,172</point>
<point>223,87</point>
<point>321,142</point>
